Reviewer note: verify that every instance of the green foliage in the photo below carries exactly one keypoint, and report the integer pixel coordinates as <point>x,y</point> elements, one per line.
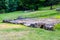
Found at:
<point>13,5</point>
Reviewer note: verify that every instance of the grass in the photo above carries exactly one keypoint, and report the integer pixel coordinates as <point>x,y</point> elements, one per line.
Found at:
<point>38,14</point>
<point>48,8</point>
<point>33,33</point>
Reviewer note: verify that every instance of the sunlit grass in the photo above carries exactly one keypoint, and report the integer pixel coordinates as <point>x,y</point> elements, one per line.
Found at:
<point>35,14</point>
<point>57,16</point>
<point>34,33</point>
<point>9,26</point>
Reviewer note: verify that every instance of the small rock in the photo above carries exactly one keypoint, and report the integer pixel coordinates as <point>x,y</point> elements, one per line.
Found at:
<point>38,25</point>
<point>16,22</point>
<point>57,9</point>
<point>32,25</point>
<point>6,21</point>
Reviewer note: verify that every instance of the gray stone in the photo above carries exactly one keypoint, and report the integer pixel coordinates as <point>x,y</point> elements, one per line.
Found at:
<point>32,25</point>
<point>49,26</point>
<point>6,21</point>
<point>57,9</point>
<point>16,22</point>
<point>37,25</point>
<point>28,23</point>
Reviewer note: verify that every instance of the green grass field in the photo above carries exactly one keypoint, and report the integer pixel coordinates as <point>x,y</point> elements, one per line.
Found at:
<point>28,33</point>
<point>37,14</point>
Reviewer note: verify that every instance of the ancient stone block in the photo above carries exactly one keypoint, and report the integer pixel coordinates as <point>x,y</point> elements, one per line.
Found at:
<point>49,26</point>
<point>57,9</point>
<point>40,25</point>
<point>6,21</point>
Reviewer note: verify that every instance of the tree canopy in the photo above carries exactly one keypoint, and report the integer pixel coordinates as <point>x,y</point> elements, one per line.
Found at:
<point>13,5</point>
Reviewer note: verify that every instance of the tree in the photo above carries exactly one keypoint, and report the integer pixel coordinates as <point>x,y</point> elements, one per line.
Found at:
<point>29,4</point>
<point>13,5</point>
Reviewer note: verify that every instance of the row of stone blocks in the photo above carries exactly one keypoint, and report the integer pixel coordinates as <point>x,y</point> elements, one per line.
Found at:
<point>44,26</point>
<point>57,9</point>
<point>32,24</point>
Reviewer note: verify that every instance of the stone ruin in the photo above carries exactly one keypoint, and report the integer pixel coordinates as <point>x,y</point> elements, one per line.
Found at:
<point>45,23</point>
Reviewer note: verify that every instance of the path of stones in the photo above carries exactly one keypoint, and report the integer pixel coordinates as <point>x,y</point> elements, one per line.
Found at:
<point>46,23</point>
<point>29,21</point>
<point>19,35</point>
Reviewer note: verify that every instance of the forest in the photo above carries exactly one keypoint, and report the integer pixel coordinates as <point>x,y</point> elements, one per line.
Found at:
<point>17,5</point>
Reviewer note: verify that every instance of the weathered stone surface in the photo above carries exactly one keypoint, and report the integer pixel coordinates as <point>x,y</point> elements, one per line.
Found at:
<point>16,22</point>
<point>6,21</point>
<point>57,9</point>
<point>39,25</point>
<point>28,23</point>
<point>47,23</point>
<point>49,26</point>
<point>32,25</point>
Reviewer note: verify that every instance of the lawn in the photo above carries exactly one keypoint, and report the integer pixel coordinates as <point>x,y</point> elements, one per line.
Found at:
<point>20,32</point>
<point>34,14</point>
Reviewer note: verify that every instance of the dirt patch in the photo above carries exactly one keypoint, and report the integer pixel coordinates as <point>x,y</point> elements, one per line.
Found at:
<point>6,26</point>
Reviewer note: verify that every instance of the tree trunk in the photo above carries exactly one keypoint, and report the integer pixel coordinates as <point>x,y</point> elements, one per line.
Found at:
<point>51,6</point>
